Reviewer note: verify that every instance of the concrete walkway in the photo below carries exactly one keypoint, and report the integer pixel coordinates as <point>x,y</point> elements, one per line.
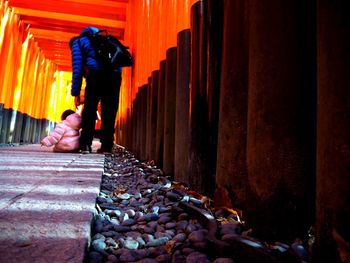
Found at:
<point>46,203</point>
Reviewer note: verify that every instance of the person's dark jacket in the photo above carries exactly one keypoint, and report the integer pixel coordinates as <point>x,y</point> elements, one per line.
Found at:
<point>83,55</point>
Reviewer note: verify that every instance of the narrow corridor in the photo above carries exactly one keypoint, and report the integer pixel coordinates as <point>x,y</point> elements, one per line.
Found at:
<point>245,102</point>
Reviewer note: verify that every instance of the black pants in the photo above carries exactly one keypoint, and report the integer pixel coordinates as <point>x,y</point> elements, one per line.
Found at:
<point>101,86</point>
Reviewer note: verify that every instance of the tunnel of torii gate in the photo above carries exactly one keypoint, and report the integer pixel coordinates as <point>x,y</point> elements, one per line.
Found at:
<point>247,102</point>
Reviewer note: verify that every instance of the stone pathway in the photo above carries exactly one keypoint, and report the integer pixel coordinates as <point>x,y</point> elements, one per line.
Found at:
<point>47,202</point>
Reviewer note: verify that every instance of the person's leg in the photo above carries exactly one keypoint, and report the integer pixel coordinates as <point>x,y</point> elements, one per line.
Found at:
<point>88,117</point>
<point>109,108</point>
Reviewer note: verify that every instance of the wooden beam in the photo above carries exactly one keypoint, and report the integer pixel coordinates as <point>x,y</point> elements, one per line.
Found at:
<point>61,25</point>
<point>73,8</point>
<point>70,18</point>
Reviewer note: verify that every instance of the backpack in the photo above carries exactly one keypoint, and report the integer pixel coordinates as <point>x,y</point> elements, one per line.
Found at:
<point>108,49</point>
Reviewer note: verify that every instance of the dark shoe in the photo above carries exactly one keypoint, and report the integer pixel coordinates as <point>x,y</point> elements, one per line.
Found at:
<point>85,149</point>
<point>104,150</point>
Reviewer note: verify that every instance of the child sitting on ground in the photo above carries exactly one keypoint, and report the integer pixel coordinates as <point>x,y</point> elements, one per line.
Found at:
<point>66,134</point>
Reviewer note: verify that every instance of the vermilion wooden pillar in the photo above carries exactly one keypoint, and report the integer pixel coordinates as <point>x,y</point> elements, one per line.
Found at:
<point>281,118</point>
<point>198,114</point>
<point>214,22</point>
<point>333,128</point>
<point>182,106</point>
<point>128,129</point>
<point>143,120</point>
<point>148,119</point>
<point>160,116</point>
<point>154,113</point>
<point>231,172</point>
<point>169,111</point>
<point>137,124</point>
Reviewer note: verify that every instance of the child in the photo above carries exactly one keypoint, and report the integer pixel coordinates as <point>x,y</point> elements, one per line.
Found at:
<point>66,135</point>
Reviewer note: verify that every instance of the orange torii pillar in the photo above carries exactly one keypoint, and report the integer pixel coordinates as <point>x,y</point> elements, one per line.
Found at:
<point>231,171</point>
<point>143,121</point>
<point>333,130</point>
<point>281,118</point>
<point>137,123</point>
<point>148,120</point>
<point>132,146</point>
<point>214,22</point>
<point>169,111</point>
<point>182,106</point>
<point>160,116</point>
<point>198,113</point>
<point>154,113</point>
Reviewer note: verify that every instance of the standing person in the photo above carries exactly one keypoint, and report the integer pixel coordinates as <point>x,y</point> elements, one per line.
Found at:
<point>102,85</point>
<point>65,136</point>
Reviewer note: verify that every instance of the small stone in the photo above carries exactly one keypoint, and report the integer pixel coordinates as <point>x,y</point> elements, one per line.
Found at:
<point>164,209</point>
<point>112,258</point>
<point>131,244</point>
<point>300,250</point>
<point>180,237</point>
<point>182,224</point>
<point>95,257</point>
<point>182,216</point>
<point>133,234</point>
<point>187,250</point>
<point>150,217</point>
<point>149,260</point>
<point>135,203</point>
<point>98,245</point>
<point>124,196</point>
<point>137,195</point>
<point>163,258</point>
<point>223,260</point>
<point>170,225</point>
<point>164,219</point>
<point>197,257</point>
<point>155,209</point>
<point>130,255</point>
<point>128,222</point>
<point>131,213</point>
<point>157,242</point>
<point>173,196</point>
<point>148,237</point>
<point>178,257</point>
<point>122,229</point>
<point>144,200</point>
<point>198,236</point>
<point>111,242</point>
<point>98,236</point>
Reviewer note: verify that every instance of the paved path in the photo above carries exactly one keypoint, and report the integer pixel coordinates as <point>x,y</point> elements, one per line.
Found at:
<point>46,203</point>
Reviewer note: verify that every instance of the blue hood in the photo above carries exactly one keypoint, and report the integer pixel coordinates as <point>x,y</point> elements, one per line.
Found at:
<point>90,30</point>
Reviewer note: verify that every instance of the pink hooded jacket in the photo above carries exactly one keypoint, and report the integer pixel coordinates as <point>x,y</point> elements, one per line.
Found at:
<point>65,136</point>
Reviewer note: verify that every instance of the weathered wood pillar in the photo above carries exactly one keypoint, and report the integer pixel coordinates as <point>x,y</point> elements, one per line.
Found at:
<point>182,106</point>
<point>138,123</point>
<point>148,119</point>
<point>154,113</point>
<point>198,115</point>
<point>160,117</point>
<point>143,121</point>
<point>134,125</point>
<point>214,22</point>
<point>281,118</point>
<point>128,129</point>
<point>333,129</point>
<point>231,171</point>
<point>169,112</point>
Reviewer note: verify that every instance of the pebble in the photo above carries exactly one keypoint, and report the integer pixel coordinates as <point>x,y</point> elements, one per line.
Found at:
<point>141,219</point>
